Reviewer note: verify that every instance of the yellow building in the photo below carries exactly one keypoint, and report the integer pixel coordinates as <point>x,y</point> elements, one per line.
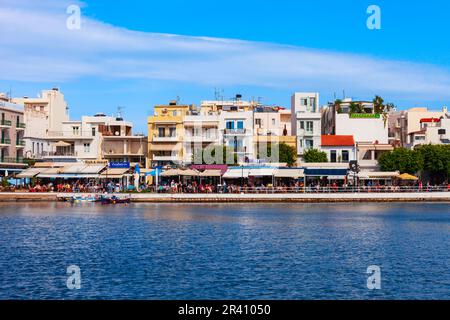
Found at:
<point>165,134</point>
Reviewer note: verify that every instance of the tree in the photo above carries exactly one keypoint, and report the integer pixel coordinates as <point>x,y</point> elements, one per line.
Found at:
<point>314,155</point>
<point>436,161</point>
<point>401,159</point>
<point>286,153</point>
<point>378,105</point>
<point>338,103</point>
<point>356,107</point>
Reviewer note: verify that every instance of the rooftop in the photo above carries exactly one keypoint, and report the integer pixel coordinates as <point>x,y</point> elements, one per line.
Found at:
<point>337,141</point>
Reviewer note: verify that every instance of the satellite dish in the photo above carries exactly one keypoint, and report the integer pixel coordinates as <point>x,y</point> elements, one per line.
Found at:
<point>117,133</point>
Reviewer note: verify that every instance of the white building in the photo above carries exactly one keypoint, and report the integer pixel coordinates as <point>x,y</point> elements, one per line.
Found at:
<point>236,132</point>
<point>306,121</point>
<point>339,149</point>
<point>432,131</point>
<point>200,131</point>
<point>41,116</point>
<point>369,130</point>
<point>98,137</point>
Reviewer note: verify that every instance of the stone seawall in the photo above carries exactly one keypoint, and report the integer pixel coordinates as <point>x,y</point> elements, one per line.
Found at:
<point>234,198</point>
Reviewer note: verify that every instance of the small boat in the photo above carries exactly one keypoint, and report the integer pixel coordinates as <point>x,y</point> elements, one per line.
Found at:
<point>81,199</point>
<point>115,200</point>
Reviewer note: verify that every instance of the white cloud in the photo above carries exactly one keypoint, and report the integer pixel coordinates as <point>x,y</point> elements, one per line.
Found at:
<point>35,45</point>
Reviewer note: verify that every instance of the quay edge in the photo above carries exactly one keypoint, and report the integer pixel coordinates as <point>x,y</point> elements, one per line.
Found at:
<point>237,198</point>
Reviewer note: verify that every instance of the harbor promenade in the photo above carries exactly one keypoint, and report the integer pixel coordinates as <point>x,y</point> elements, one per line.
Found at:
<point>233,198</point>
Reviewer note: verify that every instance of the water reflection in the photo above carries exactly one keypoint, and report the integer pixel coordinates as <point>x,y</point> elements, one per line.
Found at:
<point>224,251</point>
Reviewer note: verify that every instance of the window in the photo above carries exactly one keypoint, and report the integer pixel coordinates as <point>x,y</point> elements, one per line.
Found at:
<point>240,124</point>
<point>32,147</point>
<point>302,125</point>
<point>345,156</point>
<point>161,132</point>
<point>309,126</point>
<point>333,158</point>
<point>273,122</point>
<point>304,102</point>
<point>87,147</point>
<point>172,132</point>
<point>230,125</point>
<point>93,132</point>
<point>258,122</point>
<point>174,113</point>
<point>76,131</point>
<point>309,143</point>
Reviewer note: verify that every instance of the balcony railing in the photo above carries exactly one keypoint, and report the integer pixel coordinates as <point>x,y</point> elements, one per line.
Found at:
<point>13,160</point>
<point>6,123</point>
<point>20,143</point>
<point>20,125</point>
<point>5,141</point>
<point>234,131</point>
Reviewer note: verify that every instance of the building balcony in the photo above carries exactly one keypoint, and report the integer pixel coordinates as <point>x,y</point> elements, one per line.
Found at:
<point>204,139</point>
<point>20,143</point>
<point>166,139</point>
<point>165,158</point>
<point>64,135</point>
<point>5,124</point>
<point>16,160</point>
<point>234,131</point>
<point>20,126</point>
<point>5,142</point>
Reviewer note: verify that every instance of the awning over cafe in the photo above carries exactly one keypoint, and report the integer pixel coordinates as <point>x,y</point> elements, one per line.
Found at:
<point>29,173</point>
<point>115,173</point>
<point>375,175</point>
<point>325,172</point>
<point>211,173</point>
<point>289,173</point>
<point>236,173</point>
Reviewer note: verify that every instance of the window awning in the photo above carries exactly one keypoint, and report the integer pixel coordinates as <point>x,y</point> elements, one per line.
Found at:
<point>289,173</point>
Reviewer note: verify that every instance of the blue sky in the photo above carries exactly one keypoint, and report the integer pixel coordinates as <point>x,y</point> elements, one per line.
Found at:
<point>141,53</point>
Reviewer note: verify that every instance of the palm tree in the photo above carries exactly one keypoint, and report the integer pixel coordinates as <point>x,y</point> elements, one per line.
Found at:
<point>356,107</point>
<point>378,105</point>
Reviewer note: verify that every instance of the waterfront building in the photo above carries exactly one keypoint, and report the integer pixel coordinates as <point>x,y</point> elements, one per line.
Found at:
<point>272,126</point>
<point>339,148</point>
<point>368,128</point>
<point>99,138</point>
<point>42,115</point>
<point>12,136</point>
<point>407,126</point>
<point>432,131</point>
<point>306,121</point>
<point>236,129</point>
<point>165,134</point>
<point>397,128</point>
<point>201,130</point>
